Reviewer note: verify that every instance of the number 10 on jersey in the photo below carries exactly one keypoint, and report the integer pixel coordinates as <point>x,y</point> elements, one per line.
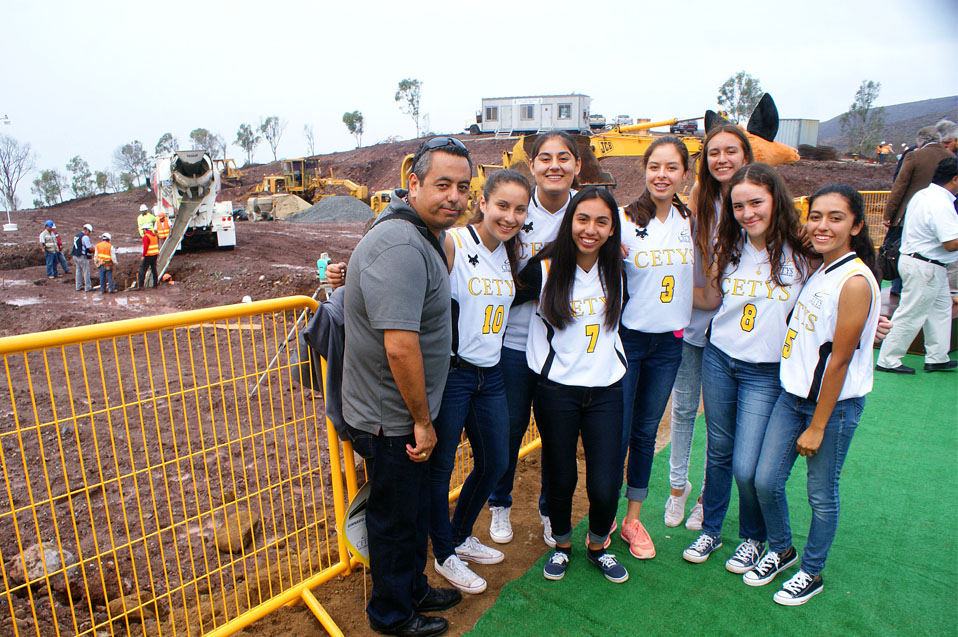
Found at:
<point>492,322</point>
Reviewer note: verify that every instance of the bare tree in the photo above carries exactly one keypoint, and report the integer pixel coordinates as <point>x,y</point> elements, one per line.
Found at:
<point>210,142</point>
<point>408,95</point>
<point>740,95</point>
<point>310,140</point>
<point>272,128</point>
<point>16,160</point>
<point>131,158</point>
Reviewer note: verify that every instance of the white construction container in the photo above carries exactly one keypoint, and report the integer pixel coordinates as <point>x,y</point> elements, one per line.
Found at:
<point>533,114</point>
<point>793,132</point>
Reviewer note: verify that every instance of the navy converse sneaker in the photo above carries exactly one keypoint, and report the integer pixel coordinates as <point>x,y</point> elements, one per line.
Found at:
<point>610,567</point>
<point>770,566</point>
<point>701,548</point>
<point>798,590</point>
<point>746,556</point>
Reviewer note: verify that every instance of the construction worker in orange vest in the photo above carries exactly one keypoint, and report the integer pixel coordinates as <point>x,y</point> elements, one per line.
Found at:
<point>162,226</point>
<point>105,257</point>
<point>151,249</point>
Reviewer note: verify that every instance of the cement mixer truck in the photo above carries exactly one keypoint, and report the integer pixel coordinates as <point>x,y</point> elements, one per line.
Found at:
<point>186,184</point>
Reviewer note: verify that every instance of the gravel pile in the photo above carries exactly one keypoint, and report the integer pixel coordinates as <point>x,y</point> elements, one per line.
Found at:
<point>338,209</point>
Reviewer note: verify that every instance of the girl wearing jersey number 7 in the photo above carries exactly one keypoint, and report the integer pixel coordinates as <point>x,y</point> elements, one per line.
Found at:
<point>483,262</point>
<point>760,266</point>
<point>826,372</point>
<point>726,149</point>
<point>574,348</point>
<point>555,164</point>
<point>657,231</point>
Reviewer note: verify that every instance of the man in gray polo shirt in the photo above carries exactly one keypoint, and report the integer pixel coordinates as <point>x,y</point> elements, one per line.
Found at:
<point>398,339</point>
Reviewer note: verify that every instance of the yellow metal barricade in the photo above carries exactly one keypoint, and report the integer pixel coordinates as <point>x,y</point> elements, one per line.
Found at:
<point>164,476</point>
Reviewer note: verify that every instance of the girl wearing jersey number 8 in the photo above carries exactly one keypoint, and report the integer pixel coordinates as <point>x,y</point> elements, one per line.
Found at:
<point>726,149</point>
<point>760,266</point>
<point>657,232</point>
<point>483,262</point>
<point>826,372</point>
<point>555,164</point>
<point>575,349</point>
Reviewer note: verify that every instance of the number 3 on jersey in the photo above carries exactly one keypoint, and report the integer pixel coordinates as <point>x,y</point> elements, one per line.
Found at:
<point>493,320</point>
<point>787,347</point>
<point>668,288</point>
<point>748,317</point>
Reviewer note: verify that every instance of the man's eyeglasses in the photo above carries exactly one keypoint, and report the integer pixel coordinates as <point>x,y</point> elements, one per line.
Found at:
<point>435,144</point>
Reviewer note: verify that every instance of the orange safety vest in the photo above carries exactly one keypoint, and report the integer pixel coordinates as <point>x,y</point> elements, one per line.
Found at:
<point>162,227</point>
<point>153,248</point>
<point>104,253</point>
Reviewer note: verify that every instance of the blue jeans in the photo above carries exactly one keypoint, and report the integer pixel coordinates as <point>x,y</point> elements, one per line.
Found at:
<point>653,362</point>
<point>739,397</point>
<point>790,418</point>
<point>474,398</point>
<point>686,393</point>
<point>520,382</point>
<point>106,278</point>
<point>51,262</point>
<point>62,260</point>
<point>563,413</point>
<point>397,526</point>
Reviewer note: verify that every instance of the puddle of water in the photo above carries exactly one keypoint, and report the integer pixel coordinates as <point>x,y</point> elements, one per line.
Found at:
<point>9,283</point>
<point>138,250</point>
<point>33,300</point>
<point>119,300</point>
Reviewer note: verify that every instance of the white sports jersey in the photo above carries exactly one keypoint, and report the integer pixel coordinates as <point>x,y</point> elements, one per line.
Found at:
<point>808,341</point>
<point>585,353</point>
<point>659,273</point>
<point>482,291</point>
<point>539,230</point>
<point>699,319</point>
<point>750,324</point>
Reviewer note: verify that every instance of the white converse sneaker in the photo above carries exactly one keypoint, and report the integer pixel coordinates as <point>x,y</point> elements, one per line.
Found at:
<point>472,550</point>
<point>694,523</point>
<point>459,575</point>
<point>500,528</point>
<point>547,531</point>
<point>675,507</point>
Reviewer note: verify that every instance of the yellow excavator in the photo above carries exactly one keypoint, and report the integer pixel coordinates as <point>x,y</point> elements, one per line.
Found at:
<point>301,177</point>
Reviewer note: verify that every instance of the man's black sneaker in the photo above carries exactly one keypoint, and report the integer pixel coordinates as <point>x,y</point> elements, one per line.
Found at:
<point>417,626</point>
<point>901,369</point>
<point>770,566</point>
<point>610,567</point>
<point>941,367</point>
<point>798,590</point>
<point>438,599</point>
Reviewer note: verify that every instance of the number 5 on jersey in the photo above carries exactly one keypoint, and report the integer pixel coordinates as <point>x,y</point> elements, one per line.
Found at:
<point>787,347</point>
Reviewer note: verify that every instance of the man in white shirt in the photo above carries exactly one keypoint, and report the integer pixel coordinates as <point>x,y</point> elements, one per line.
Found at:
<point>929,243</point>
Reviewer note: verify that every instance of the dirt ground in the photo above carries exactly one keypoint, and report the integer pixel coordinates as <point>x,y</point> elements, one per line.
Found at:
<point>273,259</point>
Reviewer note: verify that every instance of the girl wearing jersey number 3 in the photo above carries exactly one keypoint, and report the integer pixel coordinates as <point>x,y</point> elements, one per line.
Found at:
<point>483,262</point>
<point>826,372</point>
<point>657,231</point>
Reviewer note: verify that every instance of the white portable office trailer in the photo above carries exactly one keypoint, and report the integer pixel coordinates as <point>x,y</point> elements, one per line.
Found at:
<point>533,114</point>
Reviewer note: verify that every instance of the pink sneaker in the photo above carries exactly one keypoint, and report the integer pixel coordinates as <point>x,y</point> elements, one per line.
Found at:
<point>608,539</point>
<point>640,544</point>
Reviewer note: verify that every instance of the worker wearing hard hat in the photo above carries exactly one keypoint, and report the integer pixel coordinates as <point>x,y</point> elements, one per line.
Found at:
<point>162,226</point>
<point>48,239</point>
<point>145,217</point>
<point>105,255</point>
<point>151,249</point>
<point>82,255</point>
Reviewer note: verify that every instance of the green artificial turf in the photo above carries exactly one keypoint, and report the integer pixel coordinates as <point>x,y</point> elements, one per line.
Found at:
<point>893,568</point>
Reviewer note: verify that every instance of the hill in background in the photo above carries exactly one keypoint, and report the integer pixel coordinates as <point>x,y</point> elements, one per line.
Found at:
<point>902,122</point>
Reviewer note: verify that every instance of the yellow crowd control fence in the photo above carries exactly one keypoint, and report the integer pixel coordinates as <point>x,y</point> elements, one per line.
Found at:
<point>169,475</point>
<point>874,210</point>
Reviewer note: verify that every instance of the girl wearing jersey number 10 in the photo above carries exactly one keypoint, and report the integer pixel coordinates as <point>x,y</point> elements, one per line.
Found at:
<point>483,261</point>
<point>657,232</point>
<point>759,269</point>
<point>555,164</point>
<point>826,372</point>
<point>726,149</point>
<point>575,349</point>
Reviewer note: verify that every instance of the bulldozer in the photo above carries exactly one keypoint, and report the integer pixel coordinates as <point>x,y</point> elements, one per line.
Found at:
<point>227,170</point>
<point>301,178</point>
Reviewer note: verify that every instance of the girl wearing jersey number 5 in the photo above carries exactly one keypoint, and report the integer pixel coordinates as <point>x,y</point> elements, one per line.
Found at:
<point>657,231</point>
<point>575,349</point>
<point>726,149</point>
<point>555,164</point>
<point>483,262</point>
<point>762,264</point>
<point>826,372</point>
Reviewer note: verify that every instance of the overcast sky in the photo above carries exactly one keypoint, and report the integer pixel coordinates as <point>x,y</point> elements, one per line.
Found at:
<point>82,78</point>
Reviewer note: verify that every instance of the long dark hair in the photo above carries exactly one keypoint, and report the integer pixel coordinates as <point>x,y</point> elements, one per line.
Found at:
<point>783,225</point>
<point>555,304</point>
<point>710,189</point>
<point>861,243</point>
<point>496,179</point>
<point>642,210</point>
